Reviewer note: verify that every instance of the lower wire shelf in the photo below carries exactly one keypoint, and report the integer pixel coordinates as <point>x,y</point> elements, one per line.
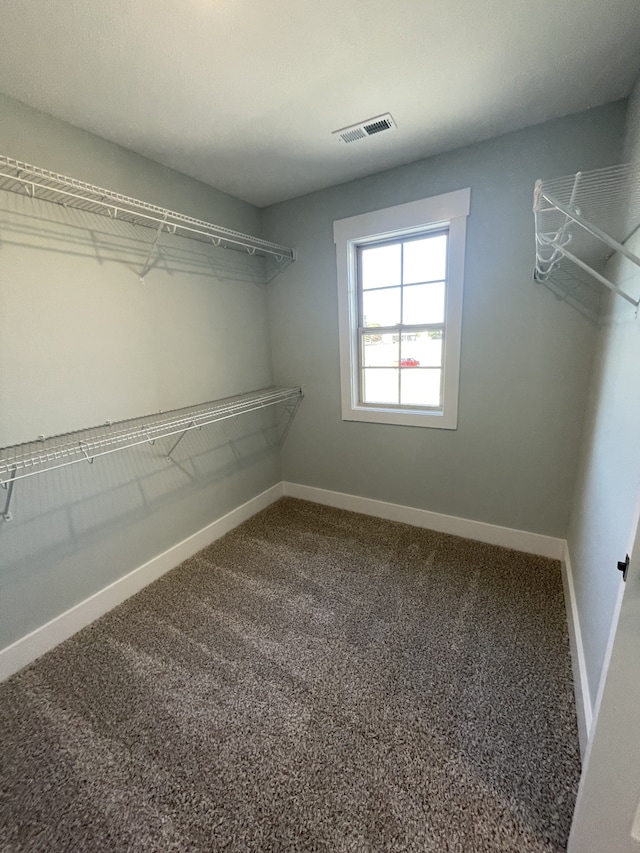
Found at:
<point>48,454</point>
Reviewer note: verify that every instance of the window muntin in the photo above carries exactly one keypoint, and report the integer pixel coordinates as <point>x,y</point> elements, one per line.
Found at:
<point>401,320</point>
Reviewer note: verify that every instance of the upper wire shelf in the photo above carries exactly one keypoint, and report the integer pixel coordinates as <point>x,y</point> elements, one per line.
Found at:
<point>47,454</point>
<point>582,221</point>
<point>36,182</point>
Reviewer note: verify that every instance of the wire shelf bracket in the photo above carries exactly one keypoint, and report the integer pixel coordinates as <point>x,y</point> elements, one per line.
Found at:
<point>148,263</point>
<point>35,182</point>
<point>8,487</point>
<point>180,437</point>
<point>585,219</point>
<point>48,454</point>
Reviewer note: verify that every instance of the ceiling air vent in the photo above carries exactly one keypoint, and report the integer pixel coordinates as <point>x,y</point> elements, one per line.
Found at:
<point>366,128</point>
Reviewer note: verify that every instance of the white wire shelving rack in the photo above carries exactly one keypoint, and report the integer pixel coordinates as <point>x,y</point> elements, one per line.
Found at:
<point>584,220</point>
<point>48,454</point>
<point>35,182</point>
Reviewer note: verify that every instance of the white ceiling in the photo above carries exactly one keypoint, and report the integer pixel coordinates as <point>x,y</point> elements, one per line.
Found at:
<point>244,95</point>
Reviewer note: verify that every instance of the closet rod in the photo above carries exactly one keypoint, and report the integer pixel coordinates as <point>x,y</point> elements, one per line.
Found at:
<point>17,176</point>
<point>26,460</point>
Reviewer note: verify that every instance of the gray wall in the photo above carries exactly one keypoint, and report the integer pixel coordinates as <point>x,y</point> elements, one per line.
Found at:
<point>83,342</point>
<point>525,355</point>
<point>607,497</point>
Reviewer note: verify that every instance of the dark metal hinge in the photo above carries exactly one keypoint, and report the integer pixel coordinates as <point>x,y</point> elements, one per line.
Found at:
<point>624,567</point>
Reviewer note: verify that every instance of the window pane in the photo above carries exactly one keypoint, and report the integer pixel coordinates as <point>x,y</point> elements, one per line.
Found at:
<point>423,303</point>
<point>380,266</point>
<point>420,387</point>
<point>425,260</point>
<point>381,307</point>
<point>380,385</point>
<point>422,349</point>
<point>380,350</point>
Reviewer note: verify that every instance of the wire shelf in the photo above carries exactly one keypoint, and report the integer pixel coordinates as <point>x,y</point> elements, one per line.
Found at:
<point>583,220</point>
<point>36,182</point>
<point>37,457</point>
<point>578,289</point>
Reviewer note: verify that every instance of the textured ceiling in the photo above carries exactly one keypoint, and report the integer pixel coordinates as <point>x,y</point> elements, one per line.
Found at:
<point>244,95</point>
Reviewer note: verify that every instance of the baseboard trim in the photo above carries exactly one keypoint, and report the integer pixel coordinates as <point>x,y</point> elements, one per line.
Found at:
<point>584,706</point>
<point>42,639</point>
<point>519,540</point>
<point>33,645</point>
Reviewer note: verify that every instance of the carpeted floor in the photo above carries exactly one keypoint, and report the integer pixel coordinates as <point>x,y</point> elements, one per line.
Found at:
<point>314,681</point>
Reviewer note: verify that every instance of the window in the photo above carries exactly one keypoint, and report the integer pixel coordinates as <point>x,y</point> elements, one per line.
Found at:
<point>400,277</point>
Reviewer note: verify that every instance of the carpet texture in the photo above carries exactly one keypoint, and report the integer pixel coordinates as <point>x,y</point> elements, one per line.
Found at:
<point>316,680</point>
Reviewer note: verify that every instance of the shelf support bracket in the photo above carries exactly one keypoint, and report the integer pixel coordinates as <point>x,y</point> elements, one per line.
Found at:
<point>147,264</point>
<point>596,275</point>
<point>180,437</point>
<point>593,230</point>
<point>8,487</point>
<point>84,451</point>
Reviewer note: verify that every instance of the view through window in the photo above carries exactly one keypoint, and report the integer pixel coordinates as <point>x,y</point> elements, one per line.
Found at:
<point>401,300</point>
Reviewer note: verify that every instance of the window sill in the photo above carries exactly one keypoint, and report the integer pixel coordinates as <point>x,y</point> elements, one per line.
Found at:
<point>407,417</point>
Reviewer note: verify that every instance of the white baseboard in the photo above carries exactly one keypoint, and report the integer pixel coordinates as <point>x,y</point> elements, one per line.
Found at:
<point>492,534</point>
<point>584,705</point>
<point>35,644</point>
<point>28,648</point>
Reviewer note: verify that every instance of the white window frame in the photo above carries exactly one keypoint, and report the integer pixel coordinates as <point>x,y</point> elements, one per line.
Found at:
<point>450,211</point>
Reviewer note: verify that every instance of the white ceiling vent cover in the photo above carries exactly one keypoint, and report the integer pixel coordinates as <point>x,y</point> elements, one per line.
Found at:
<point>363,129</point>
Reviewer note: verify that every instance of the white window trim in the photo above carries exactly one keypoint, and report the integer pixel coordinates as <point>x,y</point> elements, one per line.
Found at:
<point>450,210</point>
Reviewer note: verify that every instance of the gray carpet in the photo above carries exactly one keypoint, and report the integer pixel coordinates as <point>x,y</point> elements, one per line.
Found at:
<point>314,681</point>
